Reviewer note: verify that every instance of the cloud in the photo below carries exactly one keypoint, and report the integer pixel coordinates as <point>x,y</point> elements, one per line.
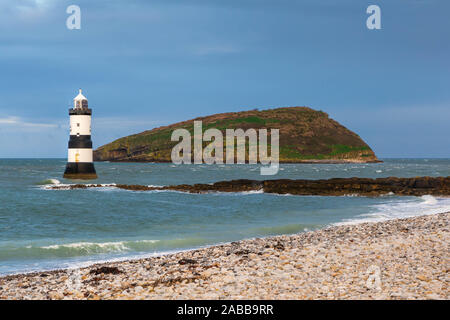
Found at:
<point>102,124</point>
<point>20,123</point>
<point>27,4</point>
<point>98,122</point>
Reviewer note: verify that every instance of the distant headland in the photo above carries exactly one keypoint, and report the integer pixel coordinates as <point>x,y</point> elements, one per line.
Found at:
<point>306,136</point>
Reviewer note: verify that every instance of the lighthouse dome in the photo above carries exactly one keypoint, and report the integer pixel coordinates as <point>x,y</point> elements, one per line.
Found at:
<point>80,101</point>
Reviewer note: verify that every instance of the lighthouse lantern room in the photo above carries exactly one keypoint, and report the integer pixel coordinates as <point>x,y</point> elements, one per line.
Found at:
<point>80,157</point>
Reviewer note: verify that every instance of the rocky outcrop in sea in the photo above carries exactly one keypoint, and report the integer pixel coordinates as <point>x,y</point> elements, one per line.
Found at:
<point>418,186</point>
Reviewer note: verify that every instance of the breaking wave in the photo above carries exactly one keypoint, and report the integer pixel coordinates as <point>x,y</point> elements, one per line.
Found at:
<point>48,182</point>
<point>79,249</point>
<point>402,208</point>
<point>67,186</point>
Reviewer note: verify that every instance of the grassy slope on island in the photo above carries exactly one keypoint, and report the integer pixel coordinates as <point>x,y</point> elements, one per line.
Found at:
<point>305,135</point>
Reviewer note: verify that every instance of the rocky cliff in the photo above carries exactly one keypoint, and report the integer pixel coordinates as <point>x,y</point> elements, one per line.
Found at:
<point>306,135</point>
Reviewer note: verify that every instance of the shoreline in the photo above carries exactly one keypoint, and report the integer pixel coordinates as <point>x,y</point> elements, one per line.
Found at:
<point>88,264</point>
<point>298,266</point>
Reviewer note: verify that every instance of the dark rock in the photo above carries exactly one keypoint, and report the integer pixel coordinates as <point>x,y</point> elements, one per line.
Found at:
<point>187,261</point>
<point>241,252</point>
<point>418,186</point>
<point>279,246</point>
<point>106,270</point>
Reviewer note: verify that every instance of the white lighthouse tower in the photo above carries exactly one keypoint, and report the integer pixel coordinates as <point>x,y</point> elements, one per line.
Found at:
<point>80,157</point>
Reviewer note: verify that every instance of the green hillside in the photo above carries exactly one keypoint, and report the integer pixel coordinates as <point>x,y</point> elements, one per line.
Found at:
<point>306,135</point>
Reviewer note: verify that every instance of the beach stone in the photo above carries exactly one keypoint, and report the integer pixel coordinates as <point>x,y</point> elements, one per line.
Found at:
<point>332,263</point>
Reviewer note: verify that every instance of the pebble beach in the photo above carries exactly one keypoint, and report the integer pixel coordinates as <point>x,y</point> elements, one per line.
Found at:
<point>395,259</point>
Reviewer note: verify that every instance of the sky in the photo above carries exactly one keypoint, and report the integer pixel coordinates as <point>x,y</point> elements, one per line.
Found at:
<point>148,63</point>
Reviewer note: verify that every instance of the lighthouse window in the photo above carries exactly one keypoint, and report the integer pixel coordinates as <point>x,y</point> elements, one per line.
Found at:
<point>78,124</point>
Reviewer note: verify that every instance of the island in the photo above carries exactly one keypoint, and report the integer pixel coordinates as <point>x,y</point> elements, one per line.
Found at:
<point>306,136</point>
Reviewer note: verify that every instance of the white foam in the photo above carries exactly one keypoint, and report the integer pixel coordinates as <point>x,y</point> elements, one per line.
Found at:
<point>89,246</point>
<point>50,181</point>
<point>102,247</point>
<point>429,199</point>
<point>147,241</point>
<point>251,192</point>
<point>402,208</point>
<point>237,193</point>
<point>67,186</point>
<point>61,186</point>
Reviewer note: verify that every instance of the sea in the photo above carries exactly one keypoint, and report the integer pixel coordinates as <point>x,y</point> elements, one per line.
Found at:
<point>44,229</point>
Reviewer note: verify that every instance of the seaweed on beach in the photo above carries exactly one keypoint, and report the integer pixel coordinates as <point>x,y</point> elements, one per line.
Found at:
<point>106,270</point>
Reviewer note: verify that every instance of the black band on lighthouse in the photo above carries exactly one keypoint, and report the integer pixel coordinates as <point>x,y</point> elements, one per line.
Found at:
<point>80,142</point>
<point>80,112</point>
<point>80,170</point>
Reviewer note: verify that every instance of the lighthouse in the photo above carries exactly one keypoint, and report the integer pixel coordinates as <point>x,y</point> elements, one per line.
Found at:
<point>80,157</point>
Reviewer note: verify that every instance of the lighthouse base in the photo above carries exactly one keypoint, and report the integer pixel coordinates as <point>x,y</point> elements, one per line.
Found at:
<point>80,170</point>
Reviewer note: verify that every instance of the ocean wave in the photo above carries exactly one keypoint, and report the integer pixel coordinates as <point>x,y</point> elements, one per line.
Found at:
<point>402,208</point>
<point>79,249</point>
<point>67,186</point>
<point>250,192</point>
<point>428,199</point>
<point>48,182</point>
<point>88,247</point>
